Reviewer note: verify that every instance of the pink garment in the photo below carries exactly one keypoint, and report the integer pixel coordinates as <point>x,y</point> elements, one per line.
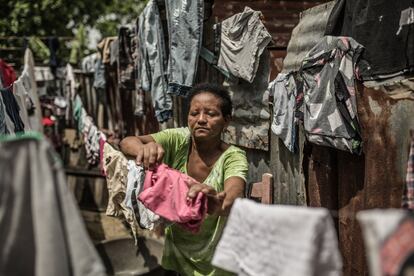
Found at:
<point>165,193</point>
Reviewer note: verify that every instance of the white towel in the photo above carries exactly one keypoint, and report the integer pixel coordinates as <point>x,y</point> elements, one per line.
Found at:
<point>377,225</point>
<point>278,240</point>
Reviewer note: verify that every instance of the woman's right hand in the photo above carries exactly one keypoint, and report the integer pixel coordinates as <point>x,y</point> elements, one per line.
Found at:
<point>149,155</point>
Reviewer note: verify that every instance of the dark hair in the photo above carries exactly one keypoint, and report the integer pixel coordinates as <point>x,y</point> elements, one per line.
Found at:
<point>218,91</point>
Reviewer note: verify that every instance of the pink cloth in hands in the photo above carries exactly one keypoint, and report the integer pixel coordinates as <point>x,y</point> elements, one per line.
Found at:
<point>165,193</point>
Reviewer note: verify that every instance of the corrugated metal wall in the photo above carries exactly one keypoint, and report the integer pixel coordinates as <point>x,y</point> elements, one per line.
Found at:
<point>334,179</point>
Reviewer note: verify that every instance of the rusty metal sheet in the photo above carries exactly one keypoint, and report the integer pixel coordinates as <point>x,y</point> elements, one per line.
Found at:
<point>349,183</point>
<point>287,171</point>
<point>306,34</point>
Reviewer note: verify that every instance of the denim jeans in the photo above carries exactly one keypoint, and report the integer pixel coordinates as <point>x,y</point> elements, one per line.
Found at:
<point>153,61</point>
<point>185,27</point>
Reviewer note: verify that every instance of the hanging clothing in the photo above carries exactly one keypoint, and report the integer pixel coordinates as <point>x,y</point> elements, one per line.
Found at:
<point>24,102</point>
<point>329,94</point>
<point>146,218</point>
<point>12,109</point>
<point>250,122</point>
<point>126,69</point>
<point>384,28</point>
<point>185,32</point>
<point>7,74</point>
<point>153,64</point>
<point>43,233</point>
<point>284,92</point>
<point>91,137</point>
<point>291,240</point>
<point>243,40</point>
<point>408,196</point>
<point>184,252</point>
<point>389,241</point>
<point>88,63</point>
<point>29,81</point>
<point>104,48</point>
<point>116,170</point>
<point>8,122</point>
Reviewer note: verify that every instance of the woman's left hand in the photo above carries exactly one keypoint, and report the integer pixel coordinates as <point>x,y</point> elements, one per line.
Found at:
<point>214,199</point>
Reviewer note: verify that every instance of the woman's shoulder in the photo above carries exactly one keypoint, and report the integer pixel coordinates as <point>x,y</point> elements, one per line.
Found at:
<point>182,133</point>
<point>234,152</point>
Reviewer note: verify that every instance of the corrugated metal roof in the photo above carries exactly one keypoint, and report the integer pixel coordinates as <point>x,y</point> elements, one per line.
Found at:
<point>306,34</point>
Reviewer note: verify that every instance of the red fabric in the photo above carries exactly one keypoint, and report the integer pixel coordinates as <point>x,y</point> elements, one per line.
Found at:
<point>8,74</point>
<point>46,121</point>
<point>397,248</point>
<point>165,193</point>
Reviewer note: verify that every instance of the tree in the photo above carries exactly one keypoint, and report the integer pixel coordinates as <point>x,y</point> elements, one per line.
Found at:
<point>62,18</point>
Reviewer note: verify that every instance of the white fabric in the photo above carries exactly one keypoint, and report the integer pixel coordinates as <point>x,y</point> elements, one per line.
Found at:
<point>278,240</point>
<point>7,119</point>
<point>376,226</point>
<point>23,100</point>
<point>284,93</point>
<point>31,86</point>
<point>42,231</point>
<point>136,176</point>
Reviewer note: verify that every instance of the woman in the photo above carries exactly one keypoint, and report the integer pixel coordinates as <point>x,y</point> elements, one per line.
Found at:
<point>219,169</point>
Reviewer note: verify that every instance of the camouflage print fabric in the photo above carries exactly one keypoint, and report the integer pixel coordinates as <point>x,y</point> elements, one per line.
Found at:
<point>330,112</point>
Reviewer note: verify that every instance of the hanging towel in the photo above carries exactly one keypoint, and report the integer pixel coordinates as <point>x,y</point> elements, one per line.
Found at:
<point>42,231</point>
<point>278,240</point>
<point>389,241</point>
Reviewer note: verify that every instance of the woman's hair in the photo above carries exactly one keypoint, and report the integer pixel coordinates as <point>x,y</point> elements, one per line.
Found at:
<point>218,91</point>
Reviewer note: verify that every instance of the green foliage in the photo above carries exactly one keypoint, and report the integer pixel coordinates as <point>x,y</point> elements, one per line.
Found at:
<point>26,18</point>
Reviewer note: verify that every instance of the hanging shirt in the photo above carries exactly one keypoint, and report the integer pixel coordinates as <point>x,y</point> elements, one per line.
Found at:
<point>243,40</point>
<point>284,91</point>
<point>330,117</point>
<point>185,252</point>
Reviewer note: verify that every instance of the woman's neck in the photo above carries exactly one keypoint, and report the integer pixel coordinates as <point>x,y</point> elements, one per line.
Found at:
<point>206,147</point>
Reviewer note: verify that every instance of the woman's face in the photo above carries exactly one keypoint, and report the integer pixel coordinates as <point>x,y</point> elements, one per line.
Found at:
<point>205,118</point>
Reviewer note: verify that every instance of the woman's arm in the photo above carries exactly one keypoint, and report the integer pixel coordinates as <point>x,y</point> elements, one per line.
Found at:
<point>234,187</point>
<point>143,148</point>
<point>220,204</point>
